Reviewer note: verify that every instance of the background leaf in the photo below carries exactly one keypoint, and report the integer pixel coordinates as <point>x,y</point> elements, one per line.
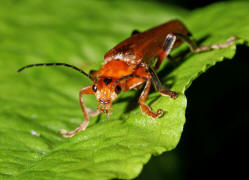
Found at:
<point>46,99</point>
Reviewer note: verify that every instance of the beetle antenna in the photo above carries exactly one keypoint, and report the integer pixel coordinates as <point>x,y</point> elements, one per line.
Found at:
<point>57,64</point>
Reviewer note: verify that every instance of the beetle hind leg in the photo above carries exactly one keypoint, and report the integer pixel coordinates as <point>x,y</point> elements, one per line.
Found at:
<point>196,49</point>
<point>229,42</point>
<point>167,47</point>
<point>171,38</point>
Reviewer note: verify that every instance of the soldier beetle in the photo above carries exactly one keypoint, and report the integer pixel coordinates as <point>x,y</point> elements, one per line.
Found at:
<point>128,66</point>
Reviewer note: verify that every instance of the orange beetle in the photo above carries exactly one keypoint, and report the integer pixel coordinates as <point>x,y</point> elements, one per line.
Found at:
<point>128,66</point>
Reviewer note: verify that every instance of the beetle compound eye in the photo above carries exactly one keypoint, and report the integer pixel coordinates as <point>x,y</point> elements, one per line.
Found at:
<point>94,88</point>
<point>117,89</point>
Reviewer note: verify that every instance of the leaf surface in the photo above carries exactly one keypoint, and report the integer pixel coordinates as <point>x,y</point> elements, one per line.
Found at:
<point>45,100</point>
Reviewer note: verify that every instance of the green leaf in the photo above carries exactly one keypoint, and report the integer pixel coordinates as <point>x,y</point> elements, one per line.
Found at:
<point>45,100</point>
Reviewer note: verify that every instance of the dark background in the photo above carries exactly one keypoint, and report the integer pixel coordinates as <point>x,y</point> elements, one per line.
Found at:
<point>214,139</point>
<point>191,4</point>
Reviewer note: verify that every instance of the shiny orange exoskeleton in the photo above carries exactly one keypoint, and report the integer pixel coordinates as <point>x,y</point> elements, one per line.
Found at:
<point>129,65</point>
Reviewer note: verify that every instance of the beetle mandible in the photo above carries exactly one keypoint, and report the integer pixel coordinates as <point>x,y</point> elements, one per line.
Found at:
<point>128,66</point>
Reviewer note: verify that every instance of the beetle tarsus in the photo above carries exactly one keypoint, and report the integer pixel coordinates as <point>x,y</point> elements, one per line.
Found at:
<point>171,94</point>
<point>159,113</point>
<point>68,134</point>
<point>226,44</point>
<point>145,109</point>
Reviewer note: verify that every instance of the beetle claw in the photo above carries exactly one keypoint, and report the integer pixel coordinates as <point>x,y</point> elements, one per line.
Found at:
<point>159,113</point>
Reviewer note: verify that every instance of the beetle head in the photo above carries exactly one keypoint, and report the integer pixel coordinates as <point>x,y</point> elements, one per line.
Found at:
<point>106,91</point>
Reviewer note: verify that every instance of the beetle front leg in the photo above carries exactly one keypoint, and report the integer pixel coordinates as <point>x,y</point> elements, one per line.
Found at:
<point>145,108</point>
<point>86,112</point>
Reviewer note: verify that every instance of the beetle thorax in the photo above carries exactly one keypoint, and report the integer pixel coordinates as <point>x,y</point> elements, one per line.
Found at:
<point>114,69</point>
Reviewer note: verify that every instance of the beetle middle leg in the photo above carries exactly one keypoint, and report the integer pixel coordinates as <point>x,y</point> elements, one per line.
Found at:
<point>144,74</point>
<point>86,112</point>
<point>160,87</point>
<point>167,46</point>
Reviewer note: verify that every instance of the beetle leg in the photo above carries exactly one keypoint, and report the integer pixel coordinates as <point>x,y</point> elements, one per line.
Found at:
<point>167,46</point>
<point>92,113</point>
<point>191,44</point>
<point>145,108</point>
<point>229,42</point>
<point>194,48</point>
<point>86,113</point>
<point>160,87</point>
